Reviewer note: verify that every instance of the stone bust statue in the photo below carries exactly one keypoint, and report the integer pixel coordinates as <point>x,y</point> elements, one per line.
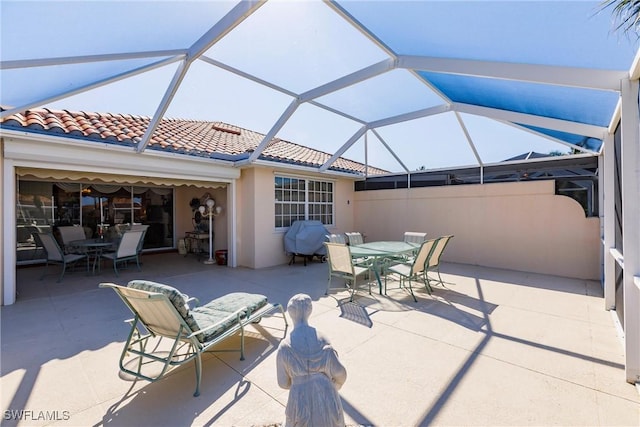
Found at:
<point>309,368</point>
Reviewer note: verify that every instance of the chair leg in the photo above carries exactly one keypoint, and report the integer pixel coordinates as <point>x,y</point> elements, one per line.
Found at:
<point>411,291</point>
<point>64,267</point>
<point>198,373</point>
<point>115,268</point>
<point>427,285</point>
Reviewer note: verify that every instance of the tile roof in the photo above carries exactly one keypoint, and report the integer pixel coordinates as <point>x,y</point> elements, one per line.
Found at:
<point>190,137</point>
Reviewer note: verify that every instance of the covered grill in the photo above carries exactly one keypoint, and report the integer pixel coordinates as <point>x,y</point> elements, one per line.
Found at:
<point>306,239</point>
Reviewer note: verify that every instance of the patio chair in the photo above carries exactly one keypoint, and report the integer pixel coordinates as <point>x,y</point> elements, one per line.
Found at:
<point>414,237</point>
<point>355,238</point>
<point>337,238</point>
<point>143,228</point>
<point>433,263</point>
<point>342,265</point>
<point>127,249</point>
<point>69,234</point>
<point>55,254</point>
<point>163,316</point>
<point>416,270</point>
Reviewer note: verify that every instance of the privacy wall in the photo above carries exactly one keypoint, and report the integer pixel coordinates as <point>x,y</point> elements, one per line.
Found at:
<point>520,226</point>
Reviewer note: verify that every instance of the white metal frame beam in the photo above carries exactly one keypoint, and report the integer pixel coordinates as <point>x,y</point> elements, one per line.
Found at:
<point>231,20</point>
<point>395,156</point>
<point>286,115</point>
<point>608,190</point>
<point>70,60</point>
<point>94,85</point>
<point>630,126</point>
<point>344,148</point>
<point>532,120</point>
<point>532,73</point>
<point>349,80</point>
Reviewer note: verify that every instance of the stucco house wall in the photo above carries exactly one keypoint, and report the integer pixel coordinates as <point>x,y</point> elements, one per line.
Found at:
<point>520,226</point>
<point>256,189</point>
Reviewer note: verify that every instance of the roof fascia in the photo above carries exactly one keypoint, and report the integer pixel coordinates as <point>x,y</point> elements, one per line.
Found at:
<point>94,156</point>
<point>544,74</point>
<point>529,119</point>
<point>300,168</point>
<point>90,86</point>
<point>344,148</point>
<point>69,60</point>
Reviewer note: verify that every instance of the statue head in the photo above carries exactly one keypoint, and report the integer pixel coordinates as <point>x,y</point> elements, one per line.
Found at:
<point>299,308</point>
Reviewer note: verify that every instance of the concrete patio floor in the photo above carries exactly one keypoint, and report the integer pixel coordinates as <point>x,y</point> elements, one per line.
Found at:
<point>493,347</point>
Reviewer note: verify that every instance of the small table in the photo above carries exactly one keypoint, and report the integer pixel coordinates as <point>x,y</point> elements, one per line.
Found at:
<point>196,243</point>
<point>93,249</point>
<point>381,250</point>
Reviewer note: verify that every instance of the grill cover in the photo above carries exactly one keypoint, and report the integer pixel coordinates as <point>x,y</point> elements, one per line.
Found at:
<point>306,238</point>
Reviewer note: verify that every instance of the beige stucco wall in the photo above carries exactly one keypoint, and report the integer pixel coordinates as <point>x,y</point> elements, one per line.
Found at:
<point>519,226</point>
<point>256,212</point>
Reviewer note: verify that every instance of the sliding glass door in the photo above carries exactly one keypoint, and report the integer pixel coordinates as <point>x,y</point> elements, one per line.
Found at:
<point>43,206</point>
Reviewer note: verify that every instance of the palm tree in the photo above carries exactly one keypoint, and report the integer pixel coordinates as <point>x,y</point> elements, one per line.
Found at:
<point>626,12</point>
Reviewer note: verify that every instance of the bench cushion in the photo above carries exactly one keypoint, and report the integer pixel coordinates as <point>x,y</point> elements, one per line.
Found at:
<point>212,313</point>
<point>216,310</point>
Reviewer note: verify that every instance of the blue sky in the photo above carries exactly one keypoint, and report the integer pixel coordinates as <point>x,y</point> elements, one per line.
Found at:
<point>301,45</point>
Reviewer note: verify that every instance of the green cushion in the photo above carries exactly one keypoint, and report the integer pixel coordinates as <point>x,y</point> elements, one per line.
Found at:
<point>216,310</point>
<point>213,313</point>
<point>231,302</point>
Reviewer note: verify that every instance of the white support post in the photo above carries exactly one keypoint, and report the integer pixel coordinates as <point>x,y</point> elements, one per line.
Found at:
<point>631,226</point>
<point>232,224</point>
<point>9,233</point>
<point>607,213</point>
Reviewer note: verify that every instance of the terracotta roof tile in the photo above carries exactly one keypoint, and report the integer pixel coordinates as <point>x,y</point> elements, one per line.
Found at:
<point>193,137</point>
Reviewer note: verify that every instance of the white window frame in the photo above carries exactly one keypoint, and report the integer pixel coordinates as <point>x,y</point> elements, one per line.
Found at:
<point>303,201</point>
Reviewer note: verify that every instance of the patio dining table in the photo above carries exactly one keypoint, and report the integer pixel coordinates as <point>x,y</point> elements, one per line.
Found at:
<point>93,248</point>
<point>381,250</point>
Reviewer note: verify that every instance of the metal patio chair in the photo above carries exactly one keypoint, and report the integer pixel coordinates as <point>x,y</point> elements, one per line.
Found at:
<point>55,254</point>
<point>416,270</point>
<point>342,265</point>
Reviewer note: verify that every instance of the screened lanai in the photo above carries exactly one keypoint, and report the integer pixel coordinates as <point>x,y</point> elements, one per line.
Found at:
<point>402,86</point>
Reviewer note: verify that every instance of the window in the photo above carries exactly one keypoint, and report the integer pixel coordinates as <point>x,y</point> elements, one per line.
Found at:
<point>302,199</point>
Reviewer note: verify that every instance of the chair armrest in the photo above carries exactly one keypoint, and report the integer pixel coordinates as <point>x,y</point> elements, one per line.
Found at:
<point>188,300</point>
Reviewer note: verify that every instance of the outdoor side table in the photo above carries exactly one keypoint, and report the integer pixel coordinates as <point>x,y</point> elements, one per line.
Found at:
<point>196,243</point>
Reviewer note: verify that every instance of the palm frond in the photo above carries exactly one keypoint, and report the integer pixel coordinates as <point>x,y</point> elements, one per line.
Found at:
<point>626,13</point>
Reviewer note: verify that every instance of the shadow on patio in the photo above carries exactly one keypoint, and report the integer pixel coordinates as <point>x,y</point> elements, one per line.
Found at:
<point>493,347</point>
